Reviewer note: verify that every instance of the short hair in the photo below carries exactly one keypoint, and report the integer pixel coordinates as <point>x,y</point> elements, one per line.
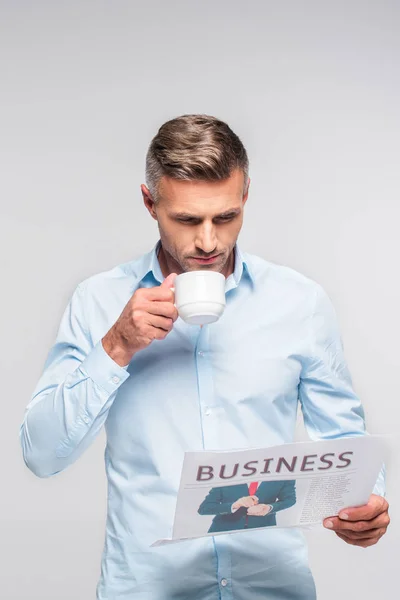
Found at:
<point>194,147</point>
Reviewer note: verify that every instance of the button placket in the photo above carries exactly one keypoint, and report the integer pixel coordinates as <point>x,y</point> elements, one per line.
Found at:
<point>224,570</point>
<point>206,389</point>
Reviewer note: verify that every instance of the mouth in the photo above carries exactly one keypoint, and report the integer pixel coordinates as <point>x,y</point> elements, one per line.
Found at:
<point>206,261</point>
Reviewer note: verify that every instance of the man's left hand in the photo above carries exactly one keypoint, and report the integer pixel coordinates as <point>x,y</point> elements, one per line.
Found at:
<point>259,510</point>
<point>362,526</point>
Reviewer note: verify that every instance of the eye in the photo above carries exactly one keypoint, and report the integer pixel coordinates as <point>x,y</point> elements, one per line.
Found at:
<point>227,218</point>
<point>188,221</point>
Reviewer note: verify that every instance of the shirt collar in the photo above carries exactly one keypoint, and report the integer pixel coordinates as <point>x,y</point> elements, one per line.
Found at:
<point>149,268</point>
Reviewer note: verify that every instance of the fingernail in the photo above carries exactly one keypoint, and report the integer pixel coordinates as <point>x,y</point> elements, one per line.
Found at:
<point>328,524</point>
<point>343,516</point>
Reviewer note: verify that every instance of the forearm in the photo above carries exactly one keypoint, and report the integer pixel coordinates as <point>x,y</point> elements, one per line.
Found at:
<point>62,420</point>
<point>116,349</point>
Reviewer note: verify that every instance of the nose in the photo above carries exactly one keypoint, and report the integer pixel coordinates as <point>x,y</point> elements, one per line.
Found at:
<point>206,240</point>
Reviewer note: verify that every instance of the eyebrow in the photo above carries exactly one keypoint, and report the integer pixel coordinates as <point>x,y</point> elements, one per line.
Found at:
<point>183,215</point>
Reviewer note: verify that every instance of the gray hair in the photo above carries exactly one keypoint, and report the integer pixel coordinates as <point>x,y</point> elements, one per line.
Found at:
<point>194,147</point>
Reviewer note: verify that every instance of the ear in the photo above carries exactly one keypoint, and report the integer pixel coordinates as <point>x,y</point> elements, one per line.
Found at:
<point>148,201</point>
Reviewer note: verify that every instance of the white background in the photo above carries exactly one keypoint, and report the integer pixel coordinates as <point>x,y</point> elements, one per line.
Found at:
<point>312,88</point>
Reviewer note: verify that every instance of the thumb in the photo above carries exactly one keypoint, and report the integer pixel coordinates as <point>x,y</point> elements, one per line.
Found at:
<point>169,281</point>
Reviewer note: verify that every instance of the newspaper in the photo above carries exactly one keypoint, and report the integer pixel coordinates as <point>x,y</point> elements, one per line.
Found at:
<point>291,485</point>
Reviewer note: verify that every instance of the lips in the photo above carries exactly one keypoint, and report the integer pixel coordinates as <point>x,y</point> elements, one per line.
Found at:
<point>205,260</point>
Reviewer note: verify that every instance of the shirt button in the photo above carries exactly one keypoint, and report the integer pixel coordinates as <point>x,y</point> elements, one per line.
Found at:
<point>224,582</point>
<point>200,353</point>
<point>115,379</point>
<point>207,412</point>
<point>86,419</point>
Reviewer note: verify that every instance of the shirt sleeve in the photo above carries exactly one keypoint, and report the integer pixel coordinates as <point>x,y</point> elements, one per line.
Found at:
<point>215,503</point>
<point>72,398</point>
<point>286,497</point>
<point>331,408</point>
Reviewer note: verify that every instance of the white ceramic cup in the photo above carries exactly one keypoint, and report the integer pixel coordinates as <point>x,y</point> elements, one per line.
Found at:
<point>200,296</point>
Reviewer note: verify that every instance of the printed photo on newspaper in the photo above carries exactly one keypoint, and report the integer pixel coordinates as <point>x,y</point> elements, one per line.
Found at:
<point>290,485</point>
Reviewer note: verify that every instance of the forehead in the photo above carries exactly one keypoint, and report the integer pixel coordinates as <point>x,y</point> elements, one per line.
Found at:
<point>200,196</point>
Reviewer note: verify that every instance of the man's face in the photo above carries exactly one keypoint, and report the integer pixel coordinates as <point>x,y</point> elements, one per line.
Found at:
<point>198,220</point>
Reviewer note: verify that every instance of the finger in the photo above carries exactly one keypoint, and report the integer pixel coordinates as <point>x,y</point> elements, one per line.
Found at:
<point>156,333</point>
<point>169,281</point>
<point>252,510</point>
<point>363,535</point>
<point>375,506</point>
<point>164,309</point>
<point>161,322</point>
<point>362,543</point>
<point>158,293</point>
<point>339,525</point>
<point>250,502</point>
<point>259,510</point>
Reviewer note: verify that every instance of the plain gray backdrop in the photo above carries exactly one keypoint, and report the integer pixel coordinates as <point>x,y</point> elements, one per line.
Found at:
<point>313,90</point>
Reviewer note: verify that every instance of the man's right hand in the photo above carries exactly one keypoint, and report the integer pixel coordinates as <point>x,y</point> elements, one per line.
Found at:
<point>246,501</point>
<point>149,315</point>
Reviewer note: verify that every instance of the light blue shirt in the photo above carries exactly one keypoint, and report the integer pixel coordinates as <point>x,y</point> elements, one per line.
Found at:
<point>235,384</point>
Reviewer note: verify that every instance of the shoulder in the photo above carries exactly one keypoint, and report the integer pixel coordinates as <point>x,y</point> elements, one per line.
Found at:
<point>279,278</point>
<point>283,288</point>
<point>119,279</point>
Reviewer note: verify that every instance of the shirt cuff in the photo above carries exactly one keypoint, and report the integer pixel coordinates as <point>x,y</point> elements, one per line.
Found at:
<point>103,370</point>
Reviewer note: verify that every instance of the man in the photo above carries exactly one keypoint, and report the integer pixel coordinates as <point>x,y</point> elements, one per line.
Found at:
<point>161,387</point>
<point>238,506</point>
